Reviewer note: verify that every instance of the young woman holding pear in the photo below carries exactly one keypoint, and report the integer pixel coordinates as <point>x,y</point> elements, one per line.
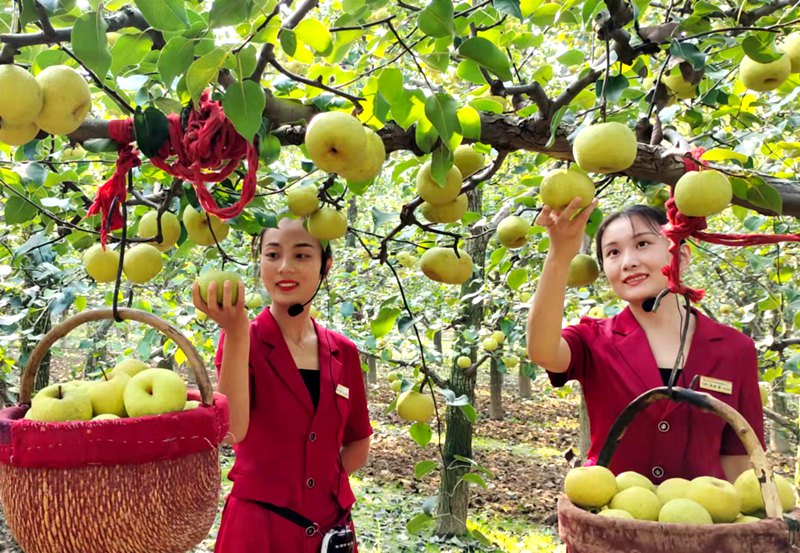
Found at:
<point>619,358</point>
<point>299,420</point>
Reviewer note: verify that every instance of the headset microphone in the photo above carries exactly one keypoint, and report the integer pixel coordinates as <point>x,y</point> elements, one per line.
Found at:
<point>297,308</point>
<point>651,304</point>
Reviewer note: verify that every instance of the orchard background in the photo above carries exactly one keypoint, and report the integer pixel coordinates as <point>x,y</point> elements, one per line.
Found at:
<point>518,79</point>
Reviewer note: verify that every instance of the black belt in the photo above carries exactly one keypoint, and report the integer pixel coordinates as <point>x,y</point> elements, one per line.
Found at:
<point>309,526</point>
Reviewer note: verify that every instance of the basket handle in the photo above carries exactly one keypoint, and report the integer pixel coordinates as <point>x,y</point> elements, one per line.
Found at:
<point>61,330</point>
<point>712,405</point>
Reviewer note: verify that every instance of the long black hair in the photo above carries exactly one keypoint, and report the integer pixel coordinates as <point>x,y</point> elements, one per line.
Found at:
<point>652,217</point>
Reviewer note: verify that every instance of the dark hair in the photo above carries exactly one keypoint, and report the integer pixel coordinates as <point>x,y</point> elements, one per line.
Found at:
<point>651,216</point>
<point>327,252</point>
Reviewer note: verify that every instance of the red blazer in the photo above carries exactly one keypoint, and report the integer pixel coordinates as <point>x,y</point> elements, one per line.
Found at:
<point>612,360</point>
<point>290,455</point>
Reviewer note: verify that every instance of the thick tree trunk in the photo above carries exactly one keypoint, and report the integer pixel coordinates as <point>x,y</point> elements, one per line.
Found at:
<point>524,385</point>
<point>372,375</point>
<point>778,439</point>
<point>453,501</point>
<point>496,412</point>
<point>40,321</point>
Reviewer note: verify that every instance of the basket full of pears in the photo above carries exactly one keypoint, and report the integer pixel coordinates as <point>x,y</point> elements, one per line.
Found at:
<point>126,463</point>
<point>603,512</point>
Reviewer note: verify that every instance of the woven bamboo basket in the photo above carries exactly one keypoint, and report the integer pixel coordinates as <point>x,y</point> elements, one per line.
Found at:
<point>585,532</point>
<point>138,485</point>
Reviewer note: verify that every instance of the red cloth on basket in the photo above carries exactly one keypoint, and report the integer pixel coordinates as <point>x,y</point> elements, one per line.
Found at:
<point>109,442</point>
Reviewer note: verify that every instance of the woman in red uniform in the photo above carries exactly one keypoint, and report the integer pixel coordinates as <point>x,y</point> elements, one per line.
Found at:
<point>617,359</point>
<point>299,417</point>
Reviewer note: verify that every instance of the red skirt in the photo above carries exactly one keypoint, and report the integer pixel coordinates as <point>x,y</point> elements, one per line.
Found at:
<point>248,527</point>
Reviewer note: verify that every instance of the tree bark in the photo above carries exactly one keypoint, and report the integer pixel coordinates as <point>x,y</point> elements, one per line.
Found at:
<point>584,434</point>
<point>453,500</point>
<point>778,440</point>
<point>372,375</point>
<point>524,385</point>
<point>496,412</point>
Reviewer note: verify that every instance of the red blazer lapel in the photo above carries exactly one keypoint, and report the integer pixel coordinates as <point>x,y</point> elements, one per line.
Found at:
<point>631,345</point>
<point>280,359</point>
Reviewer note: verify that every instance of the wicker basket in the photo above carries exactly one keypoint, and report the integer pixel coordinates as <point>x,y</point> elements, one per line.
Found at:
<point>138,485</point>
<point>585,532</point>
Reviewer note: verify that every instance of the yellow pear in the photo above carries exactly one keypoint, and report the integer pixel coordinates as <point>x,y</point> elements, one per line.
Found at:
<point>590,486</point>
<point>20,96</point>
<point>101,265</point>
<point>763,77</point>
<point>791,45</point>
<point>442,265</point>
<point>702,193</point>
<point>430,191</point>
<point>639,502</point>
<point>199,228</point>
<point>583,270</point>
<point>370,162</point>
<point>684,511</point>
<point>17,135</point>
<point>512,232</point>
<point>415,406</point>
<point>302,200</point>
<point>141,263</point>
<point>605,148</point>
<point>445,213</point>
<point>170,229</point>
<point>66,99</point>
<point>327,224</point>
<point>336,141</point>
<point>468,160</point>
<point>560,186</point>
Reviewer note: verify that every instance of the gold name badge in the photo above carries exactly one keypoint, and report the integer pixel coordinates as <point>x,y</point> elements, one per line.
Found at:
<point>344,391</point>
<point>716,385</point>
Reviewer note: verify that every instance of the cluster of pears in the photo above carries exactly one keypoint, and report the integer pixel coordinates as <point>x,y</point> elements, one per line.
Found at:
<point>323,223</point>
<point>490,344</point>
<point>144,260</point>
<point>703,500</point>
<point>130,389</point>
<point>55,101</point>
<point>337,143</point>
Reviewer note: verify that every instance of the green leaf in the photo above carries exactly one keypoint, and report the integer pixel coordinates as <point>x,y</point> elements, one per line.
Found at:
<point>516,278</point>
<point>721,154</point>
<point>421,433</point>
<point>425,135</point>
<point>90,44</point>
<point>129,51</point>
<point>485,53</point>
<point>760,47</point>
<point>244,103</point>
<point>470,71</point>
<point>229,12</point>
<point>488,104</point>
<point>689,52</point>
<point>18,211</point>
<point>571,57</point>
<point>441,163</point>
<point>175,59</point>
<point>383,323</point>
<point>474,478</point>
<point>554,123</point>
<point>418,523</point>
<point>441,111</point>
<point>763,195</point>
<point>203,72</point>
<point>424,468</point>
<point>316,35</point>
<point>152,130</point>
<point>390,85</point>
<point>288,42</point>
<point>164,15</point>
<point>436,20</point>
<point>470,121</point>
<point>269,149</point>
<point>545,15</point>
<point>613,90</point>
<point>511,7</point>
<point>469,412</point>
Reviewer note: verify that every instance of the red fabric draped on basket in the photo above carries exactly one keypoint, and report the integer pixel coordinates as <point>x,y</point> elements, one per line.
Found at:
<point>209,150</point>
<point>680,227</point>
<point>29,443</point>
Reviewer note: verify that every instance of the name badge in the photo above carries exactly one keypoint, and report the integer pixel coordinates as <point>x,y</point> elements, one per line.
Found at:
<point>343,391</point>
<point>716,385</point>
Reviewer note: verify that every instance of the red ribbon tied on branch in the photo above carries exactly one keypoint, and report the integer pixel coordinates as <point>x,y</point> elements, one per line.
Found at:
<point>208,150</point>
<point>680,226</point>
